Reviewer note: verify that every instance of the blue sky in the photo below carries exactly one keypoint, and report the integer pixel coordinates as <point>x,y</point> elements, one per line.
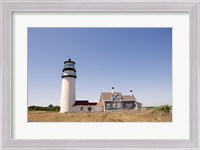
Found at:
<point>126,58</point>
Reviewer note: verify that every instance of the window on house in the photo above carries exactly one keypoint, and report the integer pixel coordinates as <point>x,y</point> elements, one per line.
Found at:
<point>113,97</point>
<point>81,108</point>
<point>128,106</point>
<point>108,105</point>
<point>118,105</point>
<point>118,98</point>
<point>114,105</point>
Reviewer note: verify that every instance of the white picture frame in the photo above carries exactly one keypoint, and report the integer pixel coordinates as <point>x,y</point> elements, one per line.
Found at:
<point>7,7</point>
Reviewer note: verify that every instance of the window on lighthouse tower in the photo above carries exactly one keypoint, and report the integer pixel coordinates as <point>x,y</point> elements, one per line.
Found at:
<point>69,65</point>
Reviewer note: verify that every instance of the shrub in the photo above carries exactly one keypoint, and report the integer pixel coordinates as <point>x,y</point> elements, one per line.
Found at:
<point>50,106</point>
<point>164,108</point>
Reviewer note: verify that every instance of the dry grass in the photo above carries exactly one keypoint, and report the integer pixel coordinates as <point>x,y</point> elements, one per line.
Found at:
<point>125,116</point>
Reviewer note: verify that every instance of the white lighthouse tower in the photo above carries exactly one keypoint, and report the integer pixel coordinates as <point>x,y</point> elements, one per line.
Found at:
<point>68,92</point>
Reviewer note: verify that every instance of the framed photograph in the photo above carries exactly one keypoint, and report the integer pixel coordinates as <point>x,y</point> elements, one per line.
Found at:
<point>106,60</point>
<point>99,75</point>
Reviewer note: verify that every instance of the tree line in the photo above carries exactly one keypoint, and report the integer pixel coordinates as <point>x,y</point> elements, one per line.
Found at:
<point>43,108</point>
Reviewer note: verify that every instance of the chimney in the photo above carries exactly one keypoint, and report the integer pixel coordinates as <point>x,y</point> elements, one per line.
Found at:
<point>131,93</point>
<point>112,89</point>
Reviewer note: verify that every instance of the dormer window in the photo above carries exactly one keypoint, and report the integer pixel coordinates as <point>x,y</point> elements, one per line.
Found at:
<point>113,97</point>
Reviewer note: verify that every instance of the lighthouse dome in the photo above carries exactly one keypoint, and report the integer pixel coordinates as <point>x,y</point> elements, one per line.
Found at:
<point>69,69</point>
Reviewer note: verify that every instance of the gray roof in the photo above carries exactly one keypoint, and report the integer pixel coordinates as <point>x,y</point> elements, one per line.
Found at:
<point>108,96</point>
